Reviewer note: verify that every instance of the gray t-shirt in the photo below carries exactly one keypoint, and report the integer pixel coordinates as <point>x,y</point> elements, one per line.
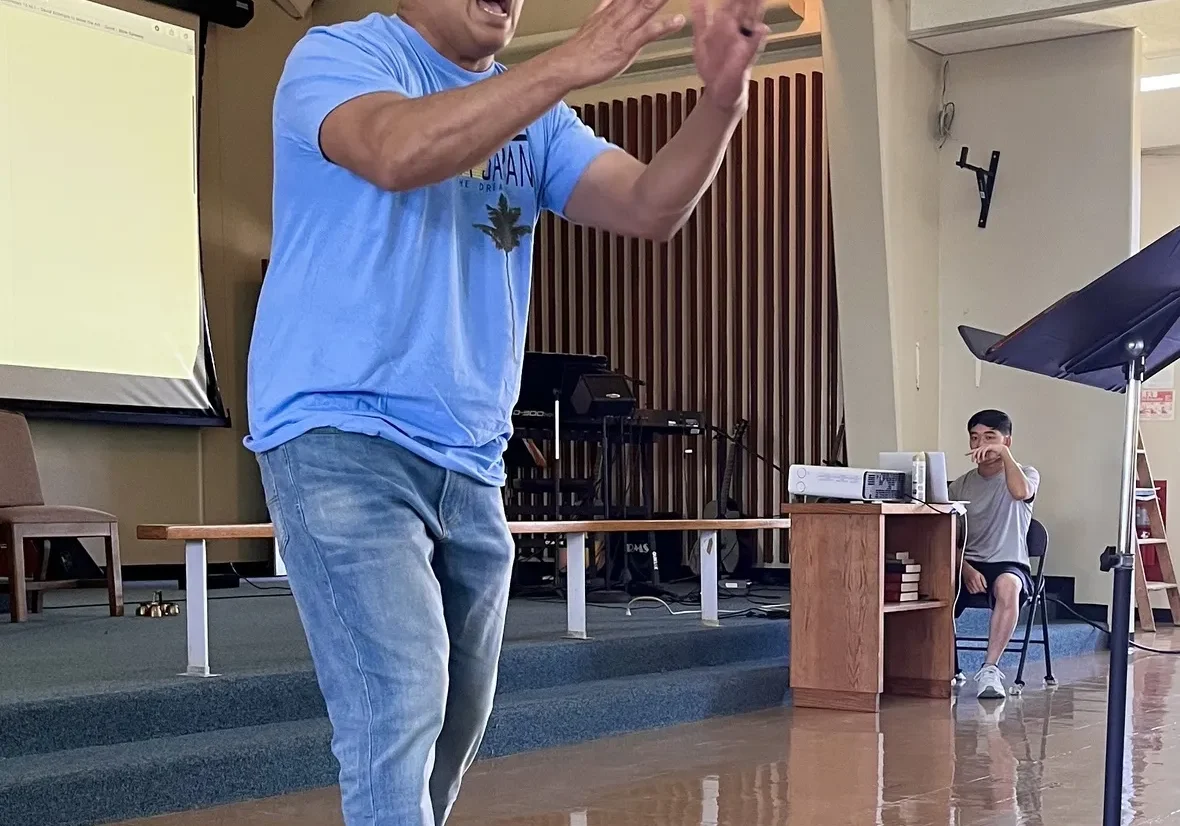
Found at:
<point>997,524</point>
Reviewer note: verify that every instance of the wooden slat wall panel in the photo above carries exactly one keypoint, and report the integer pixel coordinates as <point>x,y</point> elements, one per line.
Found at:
<point>735,317</point>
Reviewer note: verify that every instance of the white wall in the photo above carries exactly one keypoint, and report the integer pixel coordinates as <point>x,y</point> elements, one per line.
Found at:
<point>1065,210</point>
<point>926,15</point>
<point>881,93</point>
<point>1160,193</point>
<point>858,213</point>
<point>909,79</point>
<point>1160,117</point>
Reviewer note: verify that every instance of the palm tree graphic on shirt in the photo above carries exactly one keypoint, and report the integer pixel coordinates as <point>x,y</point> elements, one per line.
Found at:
<point>506,234</point>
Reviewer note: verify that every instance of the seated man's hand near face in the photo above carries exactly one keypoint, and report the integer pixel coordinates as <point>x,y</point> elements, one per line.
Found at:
<point>974,580</point>
<point>987,453</point>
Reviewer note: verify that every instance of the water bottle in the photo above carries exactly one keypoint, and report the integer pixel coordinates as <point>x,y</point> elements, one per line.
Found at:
<point>918,478</point>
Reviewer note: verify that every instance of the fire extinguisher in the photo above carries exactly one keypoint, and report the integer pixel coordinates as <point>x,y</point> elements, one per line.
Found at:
<point>1142,522</point>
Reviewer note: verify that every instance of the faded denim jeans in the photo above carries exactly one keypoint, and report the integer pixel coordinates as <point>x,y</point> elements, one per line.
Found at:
<point>400,570</point>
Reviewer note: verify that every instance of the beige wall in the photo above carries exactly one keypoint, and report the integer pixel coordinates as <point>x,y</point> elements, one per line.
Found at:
<point>960,15</point>
<point>882,95</point>
<point>908,78</point>
<point>145,474</point>
<point>1065,210</point>
<point>1159,214</point>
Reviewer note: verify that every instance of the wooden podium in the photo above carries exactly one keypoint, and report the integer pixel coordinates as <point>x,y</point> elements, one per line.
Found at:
<point>847,645</point>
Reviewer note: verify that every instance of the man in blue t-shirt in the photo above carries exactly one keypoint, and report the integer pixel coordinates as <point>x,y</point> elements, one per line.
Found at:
<point>409,171</point>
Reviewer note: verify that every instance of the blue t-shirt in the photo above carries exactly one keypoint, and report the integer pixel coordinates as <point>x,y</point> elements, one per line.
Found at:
<point>399,315</point>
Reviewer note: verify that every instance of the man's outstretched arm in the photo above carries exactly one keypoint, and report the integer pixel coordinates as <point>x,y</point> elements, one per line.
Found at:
<point>620,194</point>
<point>401,143</point>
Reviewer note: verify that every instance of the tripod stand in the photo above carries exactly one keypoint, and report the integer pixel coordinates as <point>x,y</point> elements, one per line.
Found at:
<point>1121,560</point>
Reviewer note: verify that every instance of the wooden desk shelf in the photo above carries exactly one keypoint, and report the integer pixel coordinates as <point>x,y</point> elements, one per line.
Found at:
<point>917,605</point>
<point>848,646</point>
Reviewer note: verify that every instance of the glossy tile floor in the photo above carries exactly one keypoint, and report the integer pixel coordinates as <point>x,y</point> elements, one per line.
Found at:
<point>1032,760</point>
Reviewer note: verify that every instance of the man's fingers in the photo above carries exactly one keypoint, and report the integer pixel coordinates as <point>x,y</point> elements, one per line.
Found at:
<point>745,14</point>
<point>640,12</point>
<point>752,45</point>
<point>700,15</point>
<point>749,12</point>
<point>747,51</point>
<point>658,29</point>
<point>616,9</point>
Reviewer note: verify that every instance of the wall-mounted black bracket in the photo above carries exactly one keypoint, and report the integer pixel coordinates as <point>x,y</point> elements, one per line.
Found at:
<point>985,178</point>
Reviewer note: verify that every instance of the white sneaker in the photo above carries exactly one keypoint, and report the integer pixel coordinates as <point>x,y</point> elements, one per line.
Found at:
<point>990,681</point>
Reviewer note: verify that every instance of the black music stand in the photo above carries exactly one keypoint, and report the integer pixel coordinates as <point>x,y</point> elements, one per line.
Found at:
<point>1111,334</point>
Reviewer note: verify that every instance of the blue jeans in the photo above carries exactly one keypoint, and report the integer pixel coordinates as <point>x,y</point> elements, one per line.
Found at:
<point>400,570</point>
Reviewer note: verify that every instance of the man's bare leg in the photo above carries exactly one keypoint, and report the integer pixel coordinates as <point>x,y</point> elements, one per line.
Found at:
<point>1006,590</point>
<point>1005,613</point>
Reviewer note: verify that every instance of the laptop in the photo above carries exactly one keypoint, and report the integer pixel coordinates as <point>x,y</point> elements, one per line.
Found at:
<point>937,492</point>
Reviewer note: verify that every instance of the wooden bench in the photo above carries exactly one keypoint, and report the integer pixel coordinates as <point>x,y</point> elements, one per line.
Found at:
<point>197,537</point>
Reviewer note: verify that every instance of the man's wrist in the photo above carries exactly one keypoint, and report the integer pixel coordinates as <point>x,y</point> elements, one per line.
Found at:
<point>552,72</point>
<point>734,111</point>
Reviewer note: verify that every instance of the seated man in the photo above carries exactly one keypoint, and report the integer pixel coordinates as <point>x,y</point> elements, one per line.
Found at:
<point>999,493</point>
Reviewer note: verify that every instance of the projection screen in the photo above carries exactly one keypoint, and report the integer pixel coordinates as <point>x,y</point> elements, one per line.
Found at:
<point>102,311</point>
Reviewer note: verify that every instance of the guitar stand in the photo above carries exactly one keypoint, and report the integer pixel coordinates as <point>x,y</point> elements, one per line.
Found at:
<point>608,595</point>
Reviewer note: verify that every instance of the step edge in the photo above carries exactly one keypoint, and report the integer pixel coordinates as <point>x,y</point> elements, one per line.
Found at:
<point>180,747</point>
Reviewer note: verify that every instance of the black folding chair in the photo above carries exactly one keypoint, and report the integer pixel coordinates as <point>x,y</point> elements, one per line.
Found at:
<point>1038,548</point>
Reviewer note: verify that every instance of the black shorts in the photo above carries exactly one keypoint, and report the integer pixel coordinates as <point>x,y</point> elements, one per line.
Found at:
<point>991,572</point>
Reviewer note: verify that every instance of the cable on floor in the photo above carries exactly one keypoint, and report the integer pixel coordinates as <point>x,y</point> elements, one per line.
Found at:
<point>1099,626</point>
<point>252,584</point>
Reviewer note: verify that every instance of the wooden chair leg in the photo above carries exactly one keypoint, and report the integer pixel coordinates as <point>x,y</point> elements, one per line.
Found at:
<point>37,598</point>
<point>114,571</point>
<point>16,575</point>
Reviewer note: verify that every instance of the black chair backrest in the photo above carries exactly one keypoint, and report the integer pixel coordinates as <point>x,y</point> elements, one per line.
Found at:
<point>1037,540</point>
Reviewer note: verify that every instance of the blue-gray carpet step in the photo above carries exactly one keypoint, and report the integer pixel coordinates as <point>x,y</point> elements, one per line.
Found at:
<point>106,784</point>
<point>139,779</point>
<point>190,706</point>
<point>1066,639</point>
<point>558,663</point>
<point>530,720</point>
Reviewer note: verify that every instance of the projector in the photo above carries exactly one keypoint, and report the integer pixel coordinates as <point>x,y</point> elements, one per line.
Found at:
<point>854,484</point>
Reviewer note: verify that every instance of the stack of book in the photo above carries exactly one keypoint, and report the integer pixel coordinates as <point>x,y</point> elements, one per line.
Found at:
<point>902,575</point>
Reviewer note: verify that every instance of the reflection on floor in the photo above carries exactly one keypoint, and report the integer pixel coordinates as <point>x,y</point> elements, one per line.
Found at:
<point>1035,760</point>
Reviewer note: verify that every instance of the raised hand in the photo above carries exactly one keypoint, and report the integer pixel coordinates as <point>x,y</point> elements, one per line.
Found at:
<point>725,44</point>
<point>612,37</point>
<point>987,453</point>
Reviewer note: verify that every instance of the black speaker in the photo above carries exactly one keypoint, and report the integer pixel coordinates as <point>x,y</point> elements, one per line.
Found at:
<point>603,394</point>
<point>232,13</point>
